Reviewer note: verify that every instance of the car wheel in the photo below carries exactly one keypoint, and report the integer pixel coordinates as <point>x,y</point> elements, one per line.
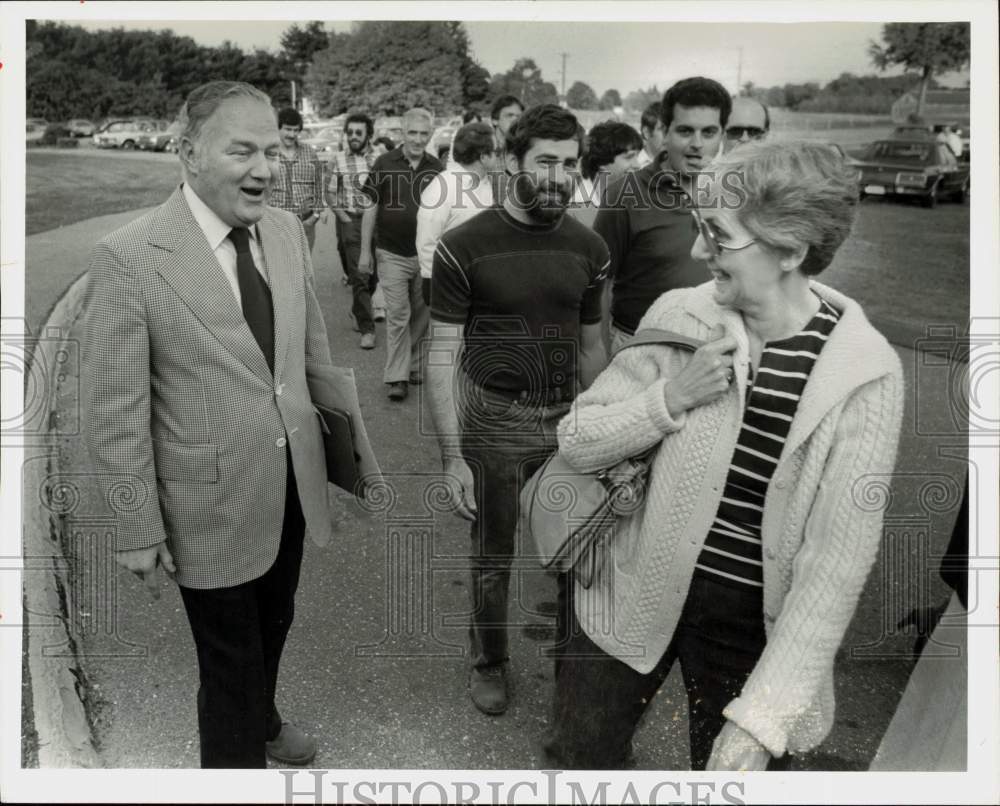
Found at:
<point>128,145</point>
<point>931,199</point>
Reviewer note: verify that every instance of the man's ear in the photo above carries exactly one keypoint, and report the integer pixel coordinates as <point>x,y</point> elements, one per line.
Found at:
<point>187,152</point>
<point>512,164</point>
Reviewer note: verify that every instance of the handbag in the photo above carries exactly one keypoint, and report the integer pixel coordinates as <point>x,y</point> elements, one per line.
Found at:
<point>570,514</point>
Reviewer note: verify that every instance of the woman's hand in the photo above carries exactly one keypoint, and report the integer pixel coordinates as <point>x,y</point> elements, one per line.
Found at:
<point>706,377</point>
<point>736,750</point>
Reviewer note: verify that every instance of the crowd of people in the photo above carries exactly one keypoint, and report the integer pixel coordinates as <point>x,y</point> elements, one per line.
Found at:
<point>523,263</point>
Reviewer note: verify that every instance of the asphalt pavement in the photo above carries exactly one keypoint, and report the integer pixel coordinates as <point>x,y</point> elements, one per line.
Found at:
<point>375,666</point>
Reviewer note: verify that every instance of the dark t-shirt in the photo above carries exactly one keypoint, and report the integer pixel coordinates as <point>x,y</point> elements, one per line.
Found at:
<point>522,292</point>
<point>396,187</point>
<point>646,222</point>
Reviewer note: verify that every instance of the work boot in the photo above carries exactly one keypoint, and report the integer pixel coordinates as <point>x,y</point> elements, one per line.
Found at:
<point>488,688</point>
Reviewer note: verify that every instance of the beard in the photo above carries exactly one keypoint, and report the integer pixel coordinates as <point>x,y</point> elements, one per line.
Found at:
<point>357,146</point>
<point>544,202</point>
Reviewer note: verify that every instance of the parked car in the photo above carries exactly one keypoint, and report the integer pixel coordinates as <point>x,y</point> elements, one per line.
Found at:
<point>915,166</point>
<point>325,140</point>
<point>81,127</point>
<point>37,122</point>
<point>34,131</point>
<point>124,134</point>
<point>161,138</point>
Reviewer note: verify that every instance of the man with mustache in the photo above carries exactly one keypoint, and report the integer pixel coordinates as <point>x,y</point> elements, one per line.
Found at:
<point>516,308</point>
<point>646,221</point>
<point>349,172</point>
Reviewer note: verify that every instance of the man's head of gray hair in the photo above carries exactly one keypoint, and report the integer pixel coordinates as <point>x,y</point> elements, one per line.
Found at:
<point>204,100</point>
<point>418,113</point>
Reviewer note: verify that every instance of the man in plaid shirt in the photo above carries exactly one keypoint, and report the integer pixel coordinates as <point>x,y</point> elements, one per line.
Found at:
<point>299,189</point>
<point>348,173</point>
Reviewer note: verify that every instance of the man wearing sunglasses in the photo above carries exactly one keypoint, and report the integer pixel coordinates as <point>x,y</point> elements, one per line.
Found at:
<point>748,121</point>
<point>349,171</point>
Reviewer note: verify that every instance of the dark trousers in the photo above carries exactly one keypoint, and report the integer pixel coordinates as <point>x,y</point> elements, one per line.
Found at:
<point>239,633</point>
<point>362,285</point>
<point>504,440</point>
<point>599,700</point>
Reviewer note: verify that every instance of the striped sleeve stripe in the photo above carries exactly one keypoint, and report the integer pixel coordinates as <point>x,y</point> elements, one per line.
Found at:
<point>772,460</point>
<point>744,504</point>
<point>755,541</point>
<point>448,257</point>
<point>804,353</point>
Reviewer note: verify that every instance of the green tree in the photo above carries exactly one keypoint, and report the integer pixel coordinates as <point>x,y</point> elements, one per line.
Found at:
<point>581,96</point>
<point>417,64</point>
<point>610,99</point>
<point>524,81</point>
<point>638,100</point>
<point>928,48</point>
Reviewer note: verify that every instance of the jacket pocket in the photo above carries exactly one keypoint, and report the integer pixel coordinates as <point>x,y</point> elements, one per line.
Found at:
<point>178,461</point>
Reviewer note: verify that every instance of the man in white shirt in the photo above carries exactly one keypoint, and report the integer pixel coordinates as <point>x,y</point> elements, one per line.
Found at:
<point>651,129</point>
<point>457,194</point>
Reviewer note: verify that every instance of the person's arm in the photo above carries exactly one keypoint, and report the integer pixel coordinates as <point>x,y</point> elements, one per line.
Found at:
<point>336,197</point>
<point>116,394</point>
<point>432,221</point>
<point>446,344</point>
<point>593,354</point>
<point>368,217</point>
<point>840,542</point>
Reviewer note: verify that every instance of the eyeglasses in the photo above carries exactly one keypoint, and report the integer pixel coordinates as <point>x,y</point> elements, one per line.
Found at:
<point>737,132</point>
<point>356,132</point>
<point>711,239</point>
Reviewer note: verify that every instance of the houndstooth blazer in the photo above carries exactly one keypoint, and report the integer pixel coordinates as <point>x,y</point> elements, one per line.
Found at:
<point>186,425</point>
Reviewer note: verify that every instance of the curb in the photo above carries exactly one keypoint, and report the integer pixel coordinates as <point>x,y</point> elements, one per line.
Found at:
<point>56,680</point>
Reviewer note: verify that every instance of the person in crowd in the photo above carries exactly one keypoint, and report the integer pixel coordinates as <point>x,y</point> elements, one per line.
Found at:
<point>747,559</point>
<point>389,223</point>
<point>651,129</point>
<point>506,111</point>
<point>645,219</point>
<point>471,116</point>
<point>954,140</point>
<point>205,352</point>
<point>382,145</point>
<point>749,120</point>
<point>612,151</point>
<point>457,194</point>
<point>348,174</point>
<point>515,303</point>
<point>299,189</point>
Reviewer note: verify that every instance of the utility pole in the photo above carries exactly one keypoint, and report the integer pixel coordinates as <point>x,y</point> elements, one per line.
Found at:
<point>564,57</point>
<point>739,72</point>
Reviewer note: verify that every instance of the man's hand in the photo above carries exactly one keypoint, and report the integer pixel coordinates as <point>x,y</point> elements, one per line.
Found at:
<point>461,490</point>
<point>736,750</point>
<point>343,217</point>
<point>143,562</point>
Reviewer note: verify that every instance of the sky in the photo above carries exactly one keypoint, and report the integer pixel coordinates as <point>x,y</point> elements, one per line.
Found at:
<point>607,54</point>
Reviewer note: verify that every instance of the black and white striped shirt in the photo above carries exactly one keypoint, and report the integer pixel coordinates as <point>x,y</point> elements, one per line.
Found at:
<point>732,550</point>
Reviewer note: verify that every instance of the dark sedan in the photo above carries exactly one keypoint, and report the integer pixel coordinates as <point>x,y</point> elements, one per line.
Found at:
<point>917,167</point>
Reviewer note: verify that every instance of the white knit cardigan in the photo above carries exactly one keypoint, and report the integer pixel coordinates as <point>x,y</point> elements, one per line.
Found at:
<point>821,524</point>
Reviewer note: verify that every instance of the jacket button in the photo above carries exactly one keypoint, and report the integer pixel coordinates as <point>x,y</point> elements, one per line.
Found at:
<point>281,442</point>
<point>780,484</point>
<point>279,389</point>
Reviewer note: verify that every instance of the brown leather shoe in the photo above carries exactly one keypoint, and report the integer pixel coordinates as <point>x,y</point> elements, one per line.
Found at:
<point>488,689</point>
<point>398,390</point>
<point>292,746</point>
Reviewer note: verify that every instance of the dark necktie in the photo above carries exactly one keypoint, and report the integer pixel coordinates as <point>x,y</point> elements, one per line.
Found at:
<point>255,295</point>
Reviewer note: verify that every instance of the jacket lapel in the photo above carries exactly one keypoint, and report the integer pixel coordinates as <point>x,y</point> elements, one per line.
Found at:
<point>193,272</point>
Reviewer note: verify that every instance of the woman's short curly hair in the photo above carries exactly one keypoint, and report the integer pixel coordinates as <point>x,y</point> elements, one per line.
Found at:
<point>789,195</point>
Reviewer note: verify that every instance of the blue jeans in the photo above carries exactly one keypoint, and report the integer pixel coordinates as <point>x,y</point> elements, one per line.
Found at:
<point>599,700</point>
<point>504,440</point>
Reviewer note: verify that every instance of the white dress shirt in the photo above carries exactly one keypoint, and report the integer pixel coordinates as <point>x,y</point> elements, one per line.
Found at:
<point>217,233</point>
<point>450,199</point>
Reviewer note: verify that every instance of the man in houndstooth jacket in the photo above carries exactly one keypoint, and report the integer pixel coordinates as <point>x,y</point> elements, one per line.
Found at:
<point>210,415</point>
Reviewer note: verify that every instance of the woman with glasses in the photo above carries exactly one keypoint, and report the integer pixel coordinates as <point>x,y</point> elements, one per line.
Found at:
<point>747,559</point>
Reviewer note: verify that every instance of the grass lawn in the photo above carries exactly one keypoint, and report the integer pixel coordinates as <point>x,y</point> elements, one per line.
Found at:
<point>907,266</point>
<point>65,188</point>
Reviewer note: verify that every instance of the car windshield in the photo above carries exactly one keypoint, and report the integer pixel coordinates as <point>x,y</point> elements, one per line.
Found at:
<point>917,153</point>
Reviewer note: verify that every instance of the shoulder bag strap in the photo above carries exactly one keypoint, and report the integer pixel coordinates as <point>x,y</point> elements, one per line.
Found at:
<point>652,335</point>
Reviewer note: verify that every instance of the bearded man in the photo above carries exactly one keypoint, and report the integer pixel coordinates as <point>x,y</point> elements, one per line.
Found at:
<point>516,308</point>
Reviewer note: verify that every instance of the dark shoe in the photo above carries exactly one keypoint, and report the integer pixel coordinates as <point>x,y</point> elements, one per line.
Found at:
<point>415,379</point>
<point>367,341</point>
<point>292,746</point>
<point>397,390</point>
<point>488,689</point>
